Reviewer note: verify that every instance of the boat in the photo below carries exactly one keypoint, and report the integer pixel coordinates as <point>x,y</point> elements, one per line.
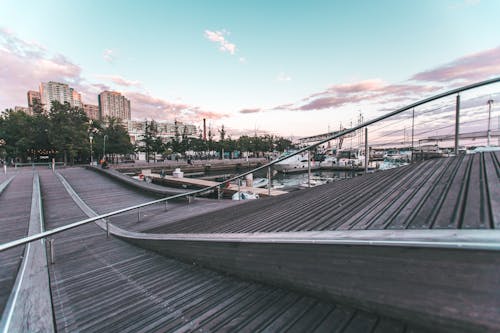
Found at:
<point>244,196</point>
<point>296,163</point>
<point>260,182</point>
<point>352,158</point>
<point>329,162</point>
<point>316,181</point>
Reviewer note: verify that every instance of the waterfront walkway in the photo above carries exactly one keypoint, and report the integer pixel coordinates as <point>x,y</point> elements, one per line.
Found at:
<point>108,284</point>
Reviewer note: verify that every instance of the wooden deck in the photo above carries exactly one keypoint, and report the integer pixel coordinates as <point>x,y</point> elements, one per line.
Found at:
<point>106,284</point>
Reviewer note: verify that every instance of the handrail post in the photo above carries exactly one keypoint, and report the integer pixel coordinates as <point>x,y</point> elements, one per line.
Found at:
<point>107,228</point>
<point>138,214</point>
<point>51,250</point>
<point>309,168</point>
<point>457,123</point>
<point>166,203</point>
<point>238,193</point>
<point>269,180</point>
<point>412,133</point>
<point>366,150</point>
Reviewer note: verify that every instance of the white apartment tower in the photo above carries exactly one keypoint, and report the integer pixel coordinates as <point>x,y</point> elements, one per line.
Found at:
<point>61,92</point>
<point>113,104</point>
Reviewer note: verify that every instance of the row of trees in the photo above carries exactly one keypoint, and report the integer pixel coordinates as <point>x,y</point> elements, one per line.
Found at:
<point>182,143</point>
<point>67,134</point>
<point>64,133</point>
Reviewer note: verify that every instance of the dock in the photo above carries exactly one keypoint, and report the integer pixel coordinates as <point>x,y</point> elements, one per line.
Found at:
<point>230,189</point>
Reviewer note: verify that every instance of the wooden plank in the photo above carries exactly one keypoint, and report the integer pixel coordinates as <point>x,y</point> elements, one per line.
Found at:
<point>29,308</point>
<point>461,290</point>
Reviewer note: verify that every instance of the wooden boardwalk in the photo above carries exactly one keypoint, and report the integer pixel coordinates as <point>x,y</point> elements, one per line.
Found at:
<point>15,204</point>
<point>101,284</point>
<point>106,284</point>
<point>448,193</point>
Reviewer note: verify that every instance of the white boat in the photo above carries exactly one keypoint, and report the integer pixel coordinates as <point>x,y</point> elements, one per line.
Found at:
<point>316,181</point>
<point>295,163</point>
<point>244,196</point>
<point>260,182</point>
<point>351,158</point>
<point>329,162</point>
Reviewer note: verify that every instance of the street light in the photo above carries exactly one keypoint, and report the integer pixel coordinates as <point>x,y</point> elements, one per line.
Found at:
<point>104,148</point>
<point>91,138</point>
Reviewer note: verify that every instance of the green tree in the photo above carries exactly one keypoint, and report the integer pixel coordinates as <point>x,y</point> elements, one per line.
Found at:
<point>114,138</point>
<point>16,133</point>
<point>149,142</point>
<point>68,132</point>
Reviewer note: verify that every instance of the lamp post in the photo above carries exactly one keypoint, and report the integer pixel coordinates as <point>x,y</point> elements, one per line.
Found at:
<point>91,138</point>
<point>490,102</point>
<point>104,148</point>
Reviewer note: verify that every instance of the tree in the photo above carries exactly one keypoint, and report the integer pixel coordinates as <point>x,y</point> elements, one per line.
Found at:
<point>16,133</point>
<point>113,137</point>
<point>149,142</point>
<point>68,131</point>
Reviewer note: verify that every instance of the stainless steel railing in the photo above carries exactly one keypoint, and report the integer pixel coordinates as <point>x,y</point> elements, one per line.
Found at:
<point>48,233</point>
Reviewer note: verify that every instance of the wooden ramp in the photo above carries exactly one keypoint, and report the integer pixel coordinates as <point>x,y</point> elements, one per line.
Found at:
<point>201,183</point>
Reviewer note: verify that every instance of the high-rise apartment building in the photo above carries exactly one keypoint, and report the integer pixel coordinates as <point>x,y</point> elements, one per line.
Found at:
<point>77,98</point>
<point>113,104</point>
<point>33,97</point>
<point>92,111</point>
<point>61,92</point>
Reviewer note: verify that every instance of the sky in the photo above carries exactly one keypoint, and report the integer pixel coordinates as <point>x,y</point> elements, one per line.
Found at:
<point>290,68</point>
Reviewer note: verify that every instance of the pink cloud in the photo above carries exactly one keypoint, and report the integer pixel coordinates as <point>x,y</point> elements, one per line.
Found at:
<point>374,90</point>
<point>219,37</point>
<point>147,106</point>
<point>25,65</point>
<point>116,79</point>
<point>245,111</point>
<point>474,67</point>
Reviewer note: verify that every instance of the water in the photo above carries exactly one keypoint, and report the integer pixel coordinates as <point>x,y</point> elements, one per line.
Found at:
<point>293,180</point>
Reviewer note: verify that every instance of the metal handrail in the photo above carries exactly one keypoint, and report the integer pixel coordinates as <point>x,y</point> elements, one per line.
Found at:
<point>28,239</point>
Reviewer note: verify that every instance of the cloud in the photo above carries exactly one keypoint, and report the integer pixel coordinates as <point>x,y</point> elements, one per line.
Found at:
<point>26,64</point>
<point>474,67</point>
<point>116,79</point>
<point>471,68</point>
<point>109,55</point>
<point>242,60</point>
<point>147,106</point>
<point>464,4</point>
<point>246,111</point>
<point>375,91</point>
<point>219,37</point>
<point>282,77</point>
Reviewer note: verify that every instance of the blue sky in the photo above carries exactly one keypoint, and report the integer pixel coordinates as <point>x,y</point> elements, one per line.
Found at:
<point>292,67</point>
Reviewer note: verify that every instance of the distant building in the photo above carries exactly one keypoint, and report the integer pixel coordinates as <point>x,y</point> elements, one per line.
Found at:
<point>33,97</point>
<point>113,105</point>
<point>76,97</point>
<point>23,109</point>
<point>61,92</point>
<point>92,111</point>
<point>166,130</point>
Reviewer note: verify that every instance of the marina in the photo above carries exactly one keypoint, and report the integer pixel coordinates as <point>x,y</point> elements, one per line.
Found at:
<point>353,250</point>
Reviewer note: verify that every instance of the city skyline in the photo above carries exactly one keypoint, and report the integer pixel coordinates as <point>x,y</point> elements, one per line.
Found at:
<point>284,68</point>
